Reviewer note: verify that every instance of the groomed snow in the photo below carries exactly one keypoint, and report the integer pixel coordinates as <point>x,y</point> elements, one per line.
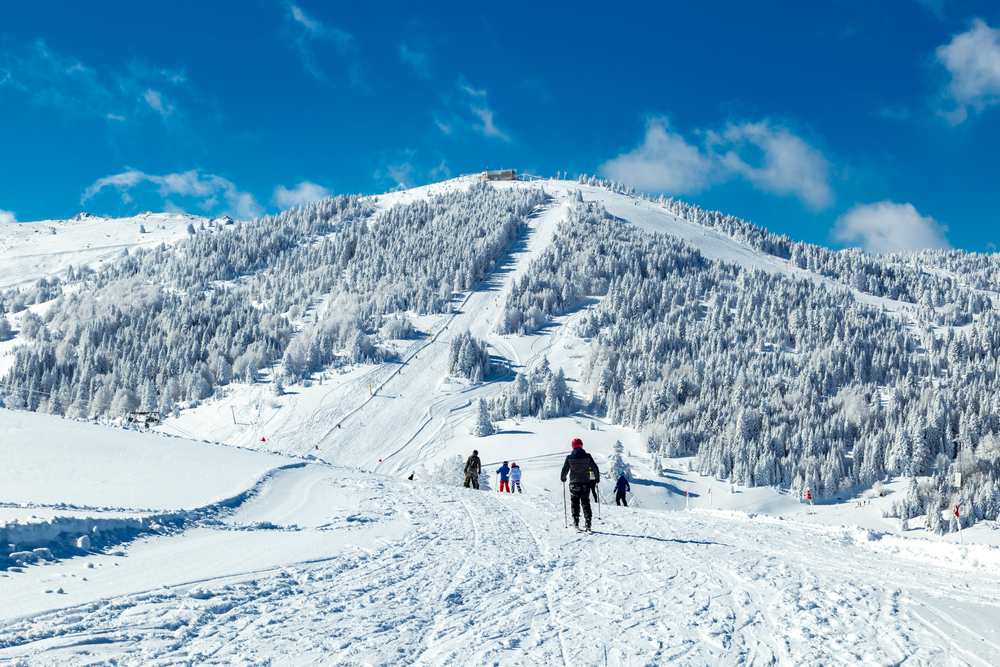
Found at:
<point>381,571</point>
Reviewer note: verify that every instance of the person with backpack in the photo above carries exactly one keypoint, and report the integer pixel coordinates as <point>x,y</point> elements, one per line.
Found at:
<point>504,471</point>
<point>581,469</point>
<point>473,467</point>
<point>621,488</point>
<point>515,478</point>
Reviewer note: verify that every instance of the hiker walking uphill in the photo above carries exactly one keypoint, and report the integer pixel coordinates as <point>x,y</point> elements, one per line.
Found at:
<point>581,470</point>
<point>504,472</point>
<point>473,466</point>
<point>621,488</point>
<point>515,478</point>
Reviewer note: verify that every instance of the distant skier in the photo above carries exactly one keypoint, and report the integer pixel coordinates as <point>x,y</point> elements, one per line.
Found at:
<point>581,469</point>
<point>621,488</point>
<point>473,467</point>
<point>515,478</point>
<point>504,471</point>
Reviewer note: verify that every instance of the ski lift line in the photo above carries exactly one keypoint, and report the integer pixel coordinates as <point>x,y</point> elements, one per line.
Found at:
<point>50,395</point>
<point>413,353</point>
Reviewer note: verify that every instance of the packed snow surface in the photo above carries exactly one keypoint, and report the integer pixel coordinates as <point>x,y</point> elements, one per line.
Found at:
<point>352,568</point>
<point>328,554</point>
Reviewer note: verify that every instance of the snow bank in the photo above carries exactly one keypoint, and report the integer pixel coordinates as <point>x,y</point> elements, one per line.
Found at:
<point>72,536</point>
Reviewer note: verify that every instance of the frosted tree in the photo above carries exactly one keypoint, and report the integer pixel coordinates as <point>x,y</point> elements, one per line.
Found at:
<point>657,465</point>
<point>148,401</point>
<point>617,464</point>
<point>483,425</point>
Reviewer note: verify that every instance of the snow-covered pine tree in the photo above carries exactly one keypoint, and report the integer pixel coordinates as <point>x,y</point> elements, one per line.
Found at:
<point>483,425</point>
<point>617,464</point>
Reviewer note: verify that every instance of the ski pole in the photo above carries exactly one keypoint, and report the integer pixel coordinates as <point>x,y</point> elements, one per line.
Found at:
<point>598,503</point>
<point>565,514</point>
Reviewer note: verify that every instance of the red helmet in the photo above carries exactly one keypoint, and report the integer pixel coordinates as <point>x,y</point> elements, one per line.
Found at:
<point>577,442</point>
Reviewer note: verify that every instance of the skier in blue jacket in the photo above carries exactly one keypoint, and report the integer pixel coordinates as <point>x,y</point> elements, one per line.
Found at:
<point>621,488</point>
<point>504,471</point>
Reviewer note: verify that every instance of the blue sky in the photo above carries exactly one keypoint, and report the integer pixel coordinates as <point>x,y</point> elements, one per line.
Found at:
<point>844,123</point>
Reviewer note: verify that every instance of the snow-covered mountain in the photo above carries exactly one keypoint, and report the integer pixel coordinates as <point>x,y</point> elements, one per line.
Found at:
<point>350,342</point>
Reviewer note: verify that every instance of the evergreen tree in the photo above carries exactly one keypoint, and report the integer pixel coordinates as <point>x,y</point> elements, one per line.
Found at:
<point>484,425</point>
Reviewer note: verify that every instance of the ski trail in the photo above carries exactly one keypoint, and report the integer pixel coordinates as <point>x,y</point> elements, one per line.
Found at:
<point>437,575</point>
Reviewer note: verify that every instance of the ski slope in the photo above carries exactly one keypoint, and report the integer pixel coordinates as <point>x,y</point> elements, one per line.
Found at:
<point>355,568</point>
<point>300,540</point>
<point>33,250</point>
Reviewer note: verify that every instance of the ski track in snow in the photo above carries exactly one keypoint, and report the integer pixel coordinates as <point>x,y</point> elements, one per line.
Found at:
<point>488,579</point>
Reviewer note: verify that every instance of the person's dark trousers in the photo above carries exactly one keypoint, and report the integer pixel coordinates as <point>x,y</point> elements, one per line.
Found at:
<point>580,493</point>
<point>620,499</point>
<point>472,477</point>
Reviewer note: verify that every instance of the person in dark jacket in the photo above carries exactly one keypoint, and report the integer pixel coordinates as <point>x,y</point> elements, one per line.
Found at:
<point>504,471</point>
<point>581,470</point>
<point>621,488</point>
<point>473,467</point>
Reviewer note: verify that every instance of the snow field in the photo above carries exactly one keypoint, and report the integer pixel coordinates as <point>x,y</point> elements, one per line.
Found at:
<point>33,250</point>
<point>51,461</point>
<point>432,575</point>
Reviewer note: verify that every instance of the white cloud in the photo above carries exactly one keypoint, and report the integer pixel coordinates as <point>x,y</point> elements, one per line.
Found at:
<point>487,127</point>
<point>155,100</point>
<point>886,227</point>
<point>311,24</point>
<point>444,127</point>
<point>476,103</point>
<point>303,193</point>
<point>7,216</point>
<point>187,184</point>
<point>402,174</point>
<point>170,207</point>
<point>973,60</point>
<point>441,171</point>
<point>789,166</point>
<point>415,59</point>
<point>666,161</point>
<point>63,82</point>
<point>314,29</point>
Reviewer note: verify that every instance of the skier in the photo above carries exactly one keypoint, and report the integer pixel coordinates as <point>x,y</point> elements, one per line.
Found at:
<point>621,488</point>
<point>503,471</point>
<point>515,478</point>
<point>581,470</point>
<point>472,469</point>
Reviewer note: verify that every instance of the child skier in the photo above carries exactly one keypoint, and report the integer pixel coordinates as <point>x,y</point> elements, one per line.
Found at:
<point>503,471</point>
<point>515,477</point>
<point>621,488</point>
